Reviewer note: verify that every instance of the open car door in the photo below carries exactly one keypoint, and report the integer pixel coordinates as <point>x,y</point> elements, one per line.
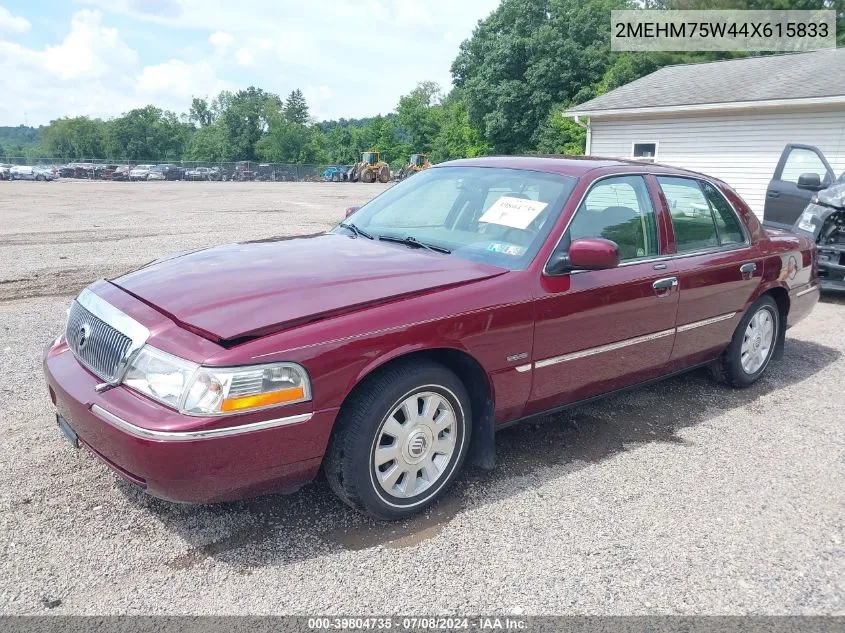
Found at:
<point>785,199</point>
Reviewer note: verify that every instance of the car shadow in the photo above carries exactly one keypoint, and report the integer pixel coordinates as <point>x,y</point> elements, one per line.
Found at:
<point>279,529</point>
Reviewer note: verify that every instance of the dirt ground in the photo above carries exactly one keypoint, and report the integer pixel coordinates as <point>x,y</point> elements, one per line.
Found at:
<point>682,498</point>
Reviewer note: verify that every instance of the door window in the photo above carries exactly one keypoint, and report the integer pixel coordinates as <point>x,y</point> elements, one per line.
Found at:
<point>803,161</point>
<point>619,209</point>
<point>728,228</point>
<point>701,216</point>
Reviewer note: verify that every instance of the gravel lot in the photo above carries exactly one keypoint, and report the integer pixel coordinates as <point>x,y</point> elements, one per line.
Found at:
<point>683,498</point>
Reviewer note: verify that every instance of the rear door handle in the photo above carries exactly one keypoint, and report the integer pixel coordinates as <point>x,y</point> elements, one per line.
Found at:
<point>665,286</point>
<point>748,270</point>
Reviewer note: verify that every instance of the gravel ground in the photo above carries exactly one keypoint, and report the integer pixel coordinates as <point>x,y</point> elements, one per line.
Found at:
<point>683,498</point>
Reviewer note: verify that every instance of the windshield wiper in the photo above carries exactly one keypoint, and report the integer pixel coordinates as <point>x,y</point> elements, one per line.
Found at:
<point>352,227</point>
<point>412,241</point>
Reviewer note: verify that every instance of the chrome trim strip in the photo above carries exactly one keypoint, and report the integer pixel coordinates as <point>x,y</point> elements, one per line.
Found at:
<point>121,322</point>
<point>523,368</point>
<point>703,322</point>
<point>807,291</point>
<point>187,436</point>
<point>603,348</point>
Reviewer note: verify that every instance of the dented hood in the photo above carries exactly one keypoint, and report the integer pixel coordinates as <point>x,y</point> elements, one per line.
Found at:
<point>238,290</point>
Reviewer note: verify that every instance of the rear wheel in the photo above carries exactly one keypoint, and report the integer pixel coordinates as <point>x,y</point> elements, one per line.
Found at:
<point>400,440</point>
<point>384,174</point>
<point>368,175</point>
<point>753,345</point>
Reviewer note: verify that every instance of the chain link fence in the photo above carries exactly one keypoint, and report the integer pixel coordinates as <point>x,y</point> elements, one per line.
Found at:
<point>239,171</point>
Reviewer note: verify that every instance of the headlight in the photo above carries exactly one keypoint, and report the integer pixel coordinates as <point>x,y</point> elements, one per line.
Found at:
<point>200,390</point>
<point>160,375</point>
<point>811,213</point>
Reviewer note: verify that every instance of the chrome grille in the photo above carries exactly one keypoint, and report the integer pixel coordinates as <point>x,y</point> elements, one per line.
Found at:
<point>97,345</point>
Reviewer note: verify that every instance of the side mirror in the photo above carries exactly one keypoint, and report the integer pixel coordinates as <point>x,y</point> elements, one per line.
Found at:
<point>810,181</point>
<point>586,253</point>
<point>351,210</point>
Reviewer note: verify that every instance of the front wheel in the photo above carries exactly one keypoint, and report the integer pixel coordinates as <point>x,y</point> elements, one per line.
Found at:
<point>400,440</point>
<point>752,346</point>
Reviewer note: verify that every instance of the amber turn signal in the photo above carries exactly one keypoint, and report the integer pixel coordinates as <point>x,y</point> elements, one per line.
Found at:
<point>263,399</point>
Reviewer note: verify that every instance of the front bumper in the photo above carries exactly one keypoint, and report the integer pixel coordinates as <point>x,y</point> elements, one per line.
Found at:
<point>832,267</point>
<point>179,458</point>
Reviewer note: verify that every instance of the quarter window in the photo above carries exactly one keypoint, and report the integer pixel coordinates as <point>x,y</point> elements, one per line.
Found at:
<point>618,209</point>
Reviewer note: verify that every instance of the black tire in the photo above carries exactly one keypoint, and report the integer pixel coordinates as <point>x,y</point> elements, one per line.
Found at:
<point>729,368</point>
<point>349,463</point>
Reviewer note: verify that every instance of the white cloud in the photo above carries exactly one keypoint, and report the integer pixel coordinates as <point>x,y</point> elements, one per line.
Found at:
<point>178,80</point>
<point>245,57</point>
<point>12,24</point>
<point>352,57</point>
<point>93,72</point>
<point>220,39</point>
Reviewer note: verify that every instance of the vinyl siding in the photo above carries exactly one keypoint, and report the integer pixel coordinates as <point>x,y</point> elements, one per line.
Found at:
<point>740,148</point>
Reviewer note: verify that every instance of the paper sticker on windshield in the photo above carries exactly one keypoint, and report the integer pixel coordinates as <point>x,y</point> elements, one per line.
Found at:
<point>516,213</point>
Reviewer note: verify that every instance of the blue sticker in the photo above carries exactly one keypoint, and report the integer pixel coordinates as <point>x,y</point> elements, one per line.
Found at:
<point>505,249</point>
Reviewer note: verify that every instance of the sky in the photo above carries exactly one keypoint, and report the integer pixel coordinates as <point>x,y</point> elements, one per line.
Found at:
<point>100,58</point>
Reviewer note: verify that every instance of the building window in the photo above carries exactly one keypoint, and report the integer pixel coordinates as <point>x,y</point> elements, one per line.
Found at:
<point>645,151</point>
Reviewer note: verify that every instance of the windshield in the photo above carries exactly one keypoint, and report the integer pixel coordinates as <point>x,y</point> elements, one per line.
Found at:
<point>492,215</point>
<point>368,157</point>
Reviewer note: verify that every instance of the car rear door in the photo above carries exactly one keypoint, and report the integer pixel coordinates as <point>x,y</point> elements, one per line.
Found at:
<point>717,266</point>
<point>601,330</point>
<point>784,199</point>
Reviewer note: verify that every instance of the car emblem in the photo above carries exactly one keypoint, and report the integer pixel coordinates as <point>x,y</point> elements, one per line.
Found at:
<point>417,446</point>
<point>83,335</point>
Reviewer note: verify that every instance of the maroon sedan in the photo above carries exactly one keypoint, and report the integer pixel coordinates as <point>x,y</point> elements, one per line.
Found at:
<point>389,350</point>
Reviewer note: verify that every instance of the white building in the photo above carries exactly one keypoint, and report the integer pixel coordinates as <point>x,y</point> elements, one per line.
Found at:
<point>728,119</point>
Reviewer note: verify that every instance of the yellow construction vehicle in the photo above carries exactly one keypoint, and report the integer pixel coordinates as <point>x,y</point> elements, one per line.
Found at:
<point>416,163</point>
<point>370,169</point>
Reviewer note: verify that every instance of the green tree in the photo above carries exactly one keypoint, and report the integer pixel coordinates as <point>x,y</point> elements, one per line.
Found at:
<point>74,138</point>
<point>418,115</point>
<point>148,133</point>
<point>527,57</point>
<point>208,144</point>
<point>201,113</point>
<point>457,137</point>
<point>296,108</point>
<point>245,117</point>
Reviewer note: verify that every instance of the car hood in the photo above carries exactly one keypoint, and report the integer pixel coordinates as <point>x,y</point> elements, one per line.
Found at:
<point>833,196</point>
<point>237,291</point>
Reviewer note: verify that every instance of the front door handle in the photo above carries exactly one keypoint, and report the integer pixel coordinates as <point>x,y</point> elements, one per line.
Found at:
<point>773,194</point>
<point>665,286</point>
<point>748,270</point>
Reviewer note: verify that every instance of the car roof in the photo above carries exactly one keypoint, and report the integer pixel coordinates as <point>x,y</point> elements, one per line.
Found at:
<point>575,166</point>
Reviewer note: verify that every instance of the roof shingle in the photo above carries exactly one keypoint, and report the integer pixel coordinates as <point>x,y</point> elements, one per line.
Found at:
<point>748,79</point>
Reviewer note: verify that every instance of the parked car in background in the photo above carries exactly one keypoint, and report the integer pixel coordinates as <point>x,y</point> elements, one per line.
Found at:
<point>39,172</point>
<point>507,288</point>
<point>801,172</point>
<point>242,171</point>
<point>120,173</point>
<point>203,173</point>
<point>5,168</point>
<point>335,173</point>
<point>140,172</point>
<point>166,171</point>
<point>805,196</point>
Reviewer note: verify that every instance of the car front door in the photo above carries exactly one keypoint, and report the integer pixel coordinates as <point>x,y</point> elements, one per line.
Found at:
<point>784,199</point>
<point>601,330</point>
<point>716,264</point>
